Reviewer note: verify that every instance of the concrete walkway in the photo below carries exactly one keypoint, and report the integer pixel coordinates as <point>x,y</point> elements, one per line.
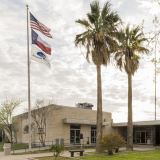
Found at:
<point>65,154</point>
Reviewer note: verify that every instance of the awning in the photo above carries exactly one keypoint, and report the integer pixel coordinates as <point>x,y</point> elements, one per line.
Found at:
<point>140,123</point>
<point>80,121</point>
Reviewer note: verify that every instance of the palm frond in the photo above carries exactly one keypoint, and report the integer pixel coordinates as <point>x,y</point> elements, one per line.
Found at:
<point>100,38</point>
<point>106,10</point>
<point>129,45</point>
<point>142,50</point>
<point>84,23</point>
<point>95,9</point>
<point>91,18</point>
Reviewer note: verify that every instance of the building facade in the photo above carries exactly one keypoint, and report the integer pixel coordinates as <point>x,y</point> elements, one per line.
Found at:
<point>66,123</point>
<point>144,132</point>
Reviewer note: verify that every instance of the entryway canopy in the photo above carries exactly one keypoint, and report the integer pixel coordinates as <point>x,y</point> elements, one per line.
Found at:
<point>140,123</point>
<point>81,121</point>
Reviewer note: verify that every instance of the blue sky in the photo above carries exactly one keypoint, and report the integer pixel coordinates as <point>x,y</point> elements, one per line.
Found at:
<point>71,78</point>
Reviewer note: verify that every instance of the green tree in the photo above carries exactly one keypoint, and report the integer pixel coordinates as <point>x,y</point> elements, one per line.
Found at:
<point>39,113</point>
<point>57,150</point>
<point>127,57</point>
<point>99,39</point>
<point>7,109</point>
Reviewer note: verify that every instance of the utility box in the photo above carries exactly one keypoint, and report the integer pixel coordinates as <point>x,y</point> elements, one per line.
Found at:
<point>62,141</point>
<point>81,136</point>
<point>7,149</point>
<point>57,141</point>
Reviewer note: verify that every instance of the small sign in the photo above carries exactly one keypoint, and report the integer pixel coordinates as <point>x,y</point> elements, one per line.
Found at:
<point>40,131</point>
<point>2,133</point>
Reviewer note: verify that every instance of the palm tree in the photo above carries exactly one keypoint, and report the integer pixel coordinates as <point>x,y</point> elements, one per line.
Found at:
<point>127,58</point>
<point>99,40</point>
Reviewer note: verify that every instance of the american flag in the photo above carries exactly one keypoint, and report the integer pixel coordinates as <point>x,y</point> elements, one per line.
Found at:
<point>35,24</point>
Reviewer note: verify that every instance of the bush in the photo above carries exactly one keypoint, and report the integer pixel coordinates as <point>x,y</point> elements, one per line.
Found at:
<point>110,142</point>
<point>57,149</point>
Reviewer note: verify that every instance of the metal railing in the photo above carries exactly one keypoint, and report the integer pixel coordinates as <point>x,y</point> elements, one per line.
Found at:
<point>143,140</point>
<point>66,142</point>
<point>18,146</point>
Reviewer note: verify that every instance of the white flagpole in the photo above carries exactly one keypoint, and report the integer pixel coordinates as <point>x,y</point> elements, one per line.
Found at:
<point>29,100</point>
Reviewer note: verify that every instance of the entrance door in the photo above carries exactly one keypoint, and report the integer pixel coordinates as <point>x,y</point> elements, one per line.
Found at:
<point>143,134</point>
<point>93,136</point>
<point>75,136</point>
<point>77,133</point>
<point>74,133</point>
<point>137,137</point>
<point>72,136</point>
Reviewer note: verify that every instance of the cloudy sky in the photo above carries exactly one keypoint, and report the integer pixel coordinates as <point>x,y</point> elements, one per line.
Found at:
<point>71,78</point>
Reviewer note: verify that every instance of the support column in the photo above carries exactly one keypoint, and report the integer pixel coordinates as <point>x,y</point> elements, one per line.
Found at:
<point>154,136</point>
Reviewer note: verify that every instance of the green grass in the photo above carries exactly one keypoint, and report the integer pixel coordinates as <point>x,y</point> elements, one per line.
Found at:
<point>135,155</point>
<point>19,146</point>
<point>1,147</point>
<point>16,146</point>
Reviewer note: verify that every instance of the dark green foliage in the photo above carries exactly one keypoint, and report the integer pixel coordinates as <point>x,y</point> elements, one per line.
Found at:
<point>101,32</point>
<point>131,41</point>
<point>111,141</point>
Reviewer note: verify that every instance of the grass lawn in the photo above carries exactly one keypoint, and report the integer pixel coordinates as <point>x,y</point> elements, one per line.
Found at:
<point>19,146</point>
<point>16,146</point>
<point>1,147</point>
<point>135,155</point>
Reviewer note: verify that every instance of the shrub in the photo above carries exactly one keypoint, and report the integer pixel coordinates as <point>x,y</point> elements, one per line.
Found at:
<point>57,149</point>
<point>111,141</point>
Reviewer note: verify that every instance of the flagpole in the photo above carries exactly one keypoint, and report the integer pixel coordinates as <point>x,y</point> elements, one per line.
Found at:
<point>29,100</point>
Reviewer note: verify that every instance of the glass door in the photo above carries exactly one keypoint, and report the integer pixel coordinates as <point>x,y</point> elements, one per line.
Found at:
<point>72,135</point>
<point>137,137</point>
<point>93,136</point>
<point>75,136</point>
<point>143,137</point>
<point>77,133</point>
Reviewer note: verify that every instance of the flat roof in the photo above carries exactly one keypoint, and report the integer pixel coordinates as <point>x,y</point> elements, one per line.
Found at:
<point>51,105</point>
<point>140,123</point>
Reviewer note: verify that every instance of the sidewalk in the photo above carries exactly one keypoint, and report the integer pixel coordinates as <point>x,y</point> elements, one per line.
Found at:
<point>34,156</point>
<point>65,154</point>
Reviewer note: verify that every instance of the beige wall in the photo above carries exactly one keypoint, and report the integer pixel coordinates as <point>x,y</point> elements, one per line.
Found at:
<point>57,129</point>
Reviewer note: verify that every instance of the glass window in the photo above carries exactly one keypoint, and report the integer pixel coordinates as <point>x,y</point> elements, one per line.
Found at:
<point>75,126</point>
<point>93,127</point>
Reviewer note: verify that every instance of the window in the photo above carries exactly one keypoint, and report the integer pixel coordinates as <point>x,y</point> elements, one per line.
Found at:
<point>75,126</point>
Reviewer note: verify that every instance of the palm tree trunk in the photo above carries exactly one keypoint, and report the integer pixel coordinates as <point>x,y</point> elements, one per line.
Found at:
<point>99,109</point>
<point>130,123</point>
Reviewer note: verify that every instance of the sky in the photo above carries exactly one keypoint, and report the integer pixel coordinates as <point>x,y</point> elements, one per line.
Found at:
<point>72,79</point>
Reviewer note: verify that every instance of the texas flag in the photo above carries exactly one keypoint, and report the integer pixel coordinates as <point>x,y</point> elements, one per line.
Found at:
<point>44,46</point>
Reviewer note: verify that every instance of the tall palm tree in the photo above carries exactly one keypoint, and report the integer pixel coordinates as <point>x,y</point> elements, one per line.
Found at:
<point>128,58</point>
<point>99,40</point>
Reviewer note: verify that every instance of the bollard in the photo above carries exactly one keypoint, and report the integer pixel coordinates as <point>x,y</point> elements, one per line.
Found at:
<point>74,141</point>
<point>7,148</point>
